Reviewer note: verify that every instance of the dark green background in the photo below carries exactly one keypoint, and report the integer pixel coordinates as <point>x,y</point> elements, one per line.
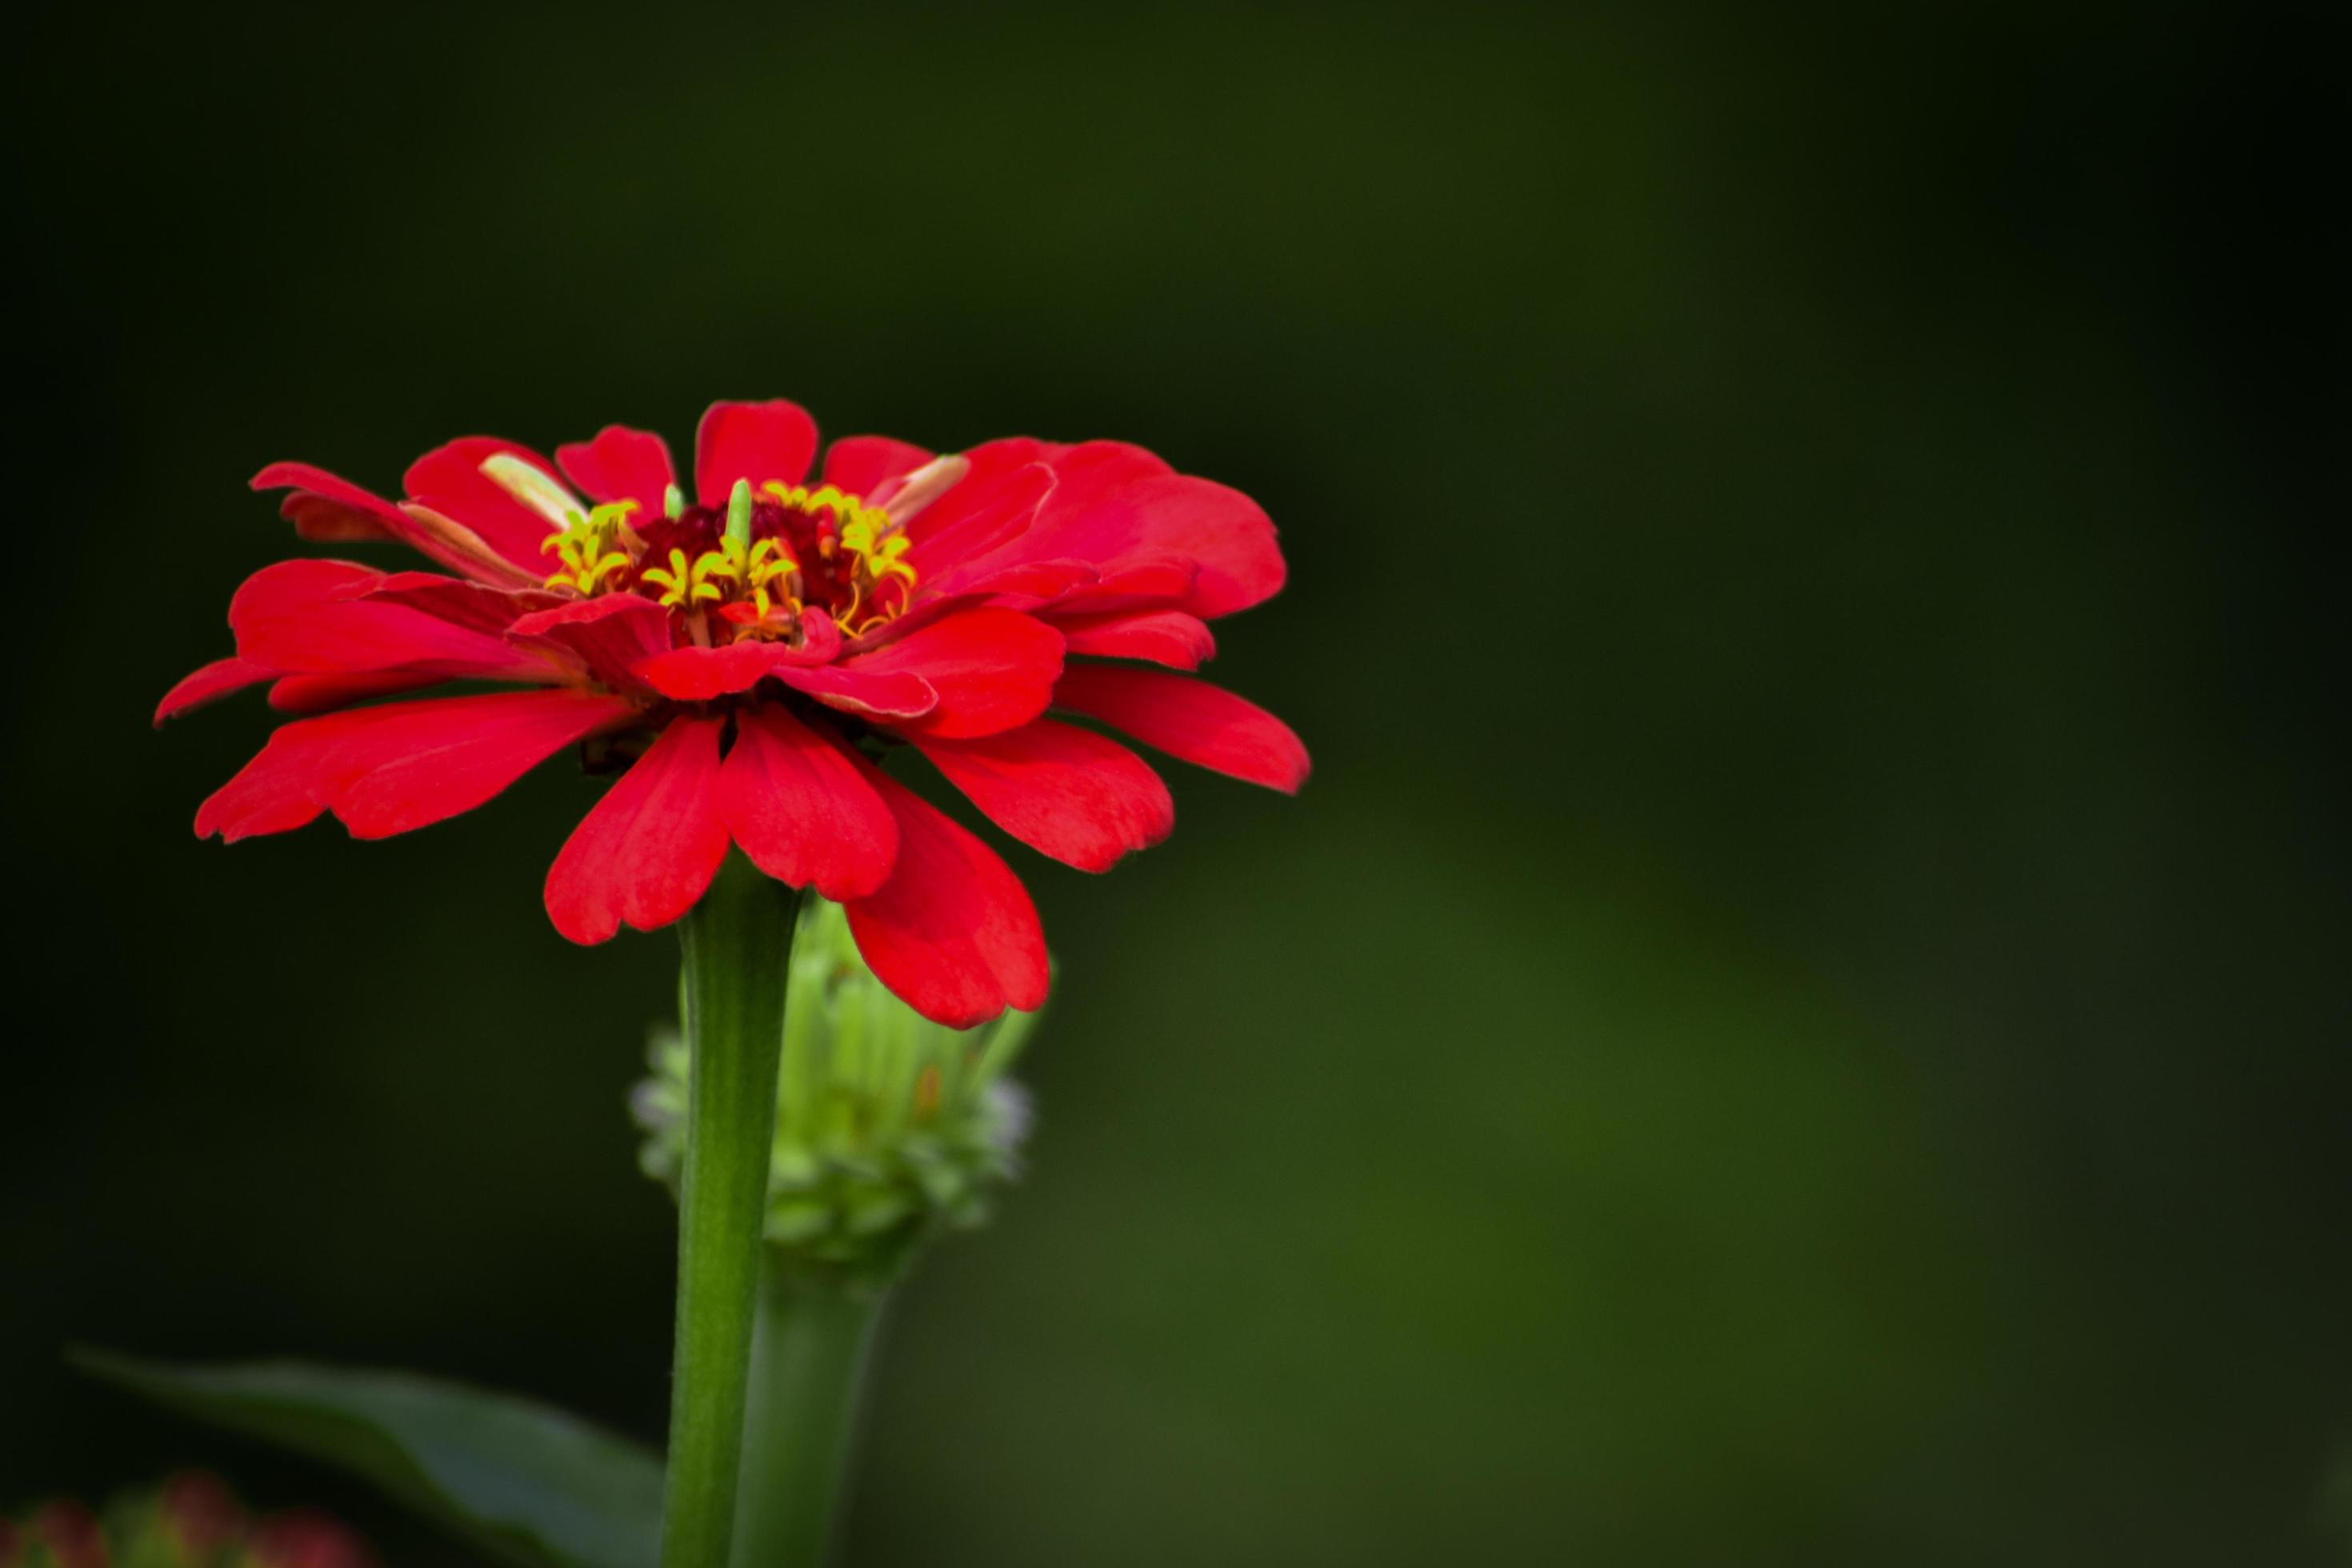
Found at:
<point>1801,1017</point>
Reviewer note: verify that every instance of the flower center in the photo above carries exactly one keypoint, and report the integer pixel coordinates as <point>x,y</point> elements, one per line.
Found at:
<point>749,569</point>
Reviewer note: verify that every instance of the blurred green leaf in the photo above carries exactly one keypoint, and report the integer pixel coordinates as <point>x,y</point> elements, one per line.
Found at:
<point>525,1481</point>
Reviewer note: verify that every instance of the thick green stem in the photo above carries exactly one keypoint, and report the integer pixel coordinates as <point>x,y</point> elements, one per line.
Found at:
<point>738,942</point>
<point>816,1332</point>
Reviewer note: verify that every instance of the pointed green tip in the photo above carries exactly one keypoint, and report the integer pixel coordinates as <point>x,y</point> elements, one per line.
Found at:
<point>673,502</point>
<point>739,513</point>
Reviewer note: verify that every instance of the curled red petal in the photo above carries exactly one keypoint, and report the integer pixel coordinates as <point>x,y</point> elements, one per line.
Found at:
<point>386,770</point>
<point>801,808</point>
<point>1080,797</point>
<point>620,464</point>
<point>209,684</point>
<point>991,669</point>
<point>1191,720</point>
<point>760,442</point>
<point>448,480</point>
<point>1161,636</point>
<point>328,506</point>
<point>650,846</point>
<point>952,931</point>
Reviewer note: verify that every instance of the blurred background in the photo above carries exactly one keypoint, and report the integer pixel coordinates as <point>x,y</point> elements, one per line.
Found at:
<point>1800,1018</point>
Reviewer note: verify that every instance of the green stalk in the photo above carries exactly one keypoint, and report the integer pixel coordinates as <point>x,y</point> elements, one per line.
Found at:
<point>738,944</point>
<point>816,1332</point>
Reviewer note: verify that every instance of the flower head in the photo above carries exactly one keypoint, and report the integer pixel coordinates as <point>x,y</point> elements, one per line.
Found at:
<point>752,657</point>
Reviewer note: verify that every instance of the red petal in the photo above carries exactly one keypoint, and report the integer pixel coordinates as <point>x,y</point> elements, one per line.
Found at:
<point>609,636</point>
<point>283,587</point>
<point>387,770</point>
<point>1189,719</point>
<point>323,693</point>
<point>992,670</point>
<point>952,931</point>
<point>1142,581</point>
<point>700,674</point>
<point>756,441</point>
<point>997,475</point>
<point>1114,504</point>
<point>1164,636</point>
<point>894,695</point>
<point>1225,531</point>
<point>981,514</point>
<point>213,682</point>
<point>307,617</point>
<point>862,465</point>
<point>461,602</point>
<point>449,481</point>
<point>801,808</point>
<point>651,845</point>
<point>452,543</point>
<point>1081,797</point>
<point>620,464</point>
<point>327,507</point>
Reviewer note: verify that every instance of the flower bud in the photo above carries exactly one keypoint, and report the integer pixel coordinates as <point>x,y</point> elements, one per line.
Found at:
<point>193,1520</point>
<point>65,1535</point>
<point>889,1127</point>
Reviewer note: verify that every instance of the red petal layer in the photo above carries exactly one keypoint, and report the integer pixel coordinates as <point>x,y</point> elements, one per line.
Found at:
<point>1201,723</point>
<point>620,464</point>
<point>386,770</point>
<point>209,684</point>
<point>892,695</point>
<point>952,931</point>
<point>323,693</point>
<point>1115,504</point>
<point>755,441</point>
<point>479,606</point>
<point>608,636</point>
<point>700,674</point>
<point>1224,531</point>
<point>983,514</point>
<point>864,465</point>
<point>1080,797</point>
<point>650,846</point>
<point>449,481</point>
<point>307,617</point>
<point>801,808</point>
<point>992,670</point>
<point>1164,636</point>
<point>327,507</point>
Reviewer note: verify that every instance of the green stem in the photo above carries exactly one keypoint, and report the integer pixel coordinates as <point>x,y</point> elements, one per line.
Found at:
<point>738,942</point>
<point>815,1334</point>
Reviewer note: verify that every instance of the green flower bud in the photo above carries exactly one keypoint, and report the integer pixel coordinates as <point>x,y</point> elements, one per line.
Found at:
<point>889,1127</point>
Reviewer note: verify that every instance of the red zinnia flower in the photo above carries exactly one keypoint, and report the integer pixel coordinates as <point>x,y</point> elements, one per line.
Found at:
<point>740,647</point>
